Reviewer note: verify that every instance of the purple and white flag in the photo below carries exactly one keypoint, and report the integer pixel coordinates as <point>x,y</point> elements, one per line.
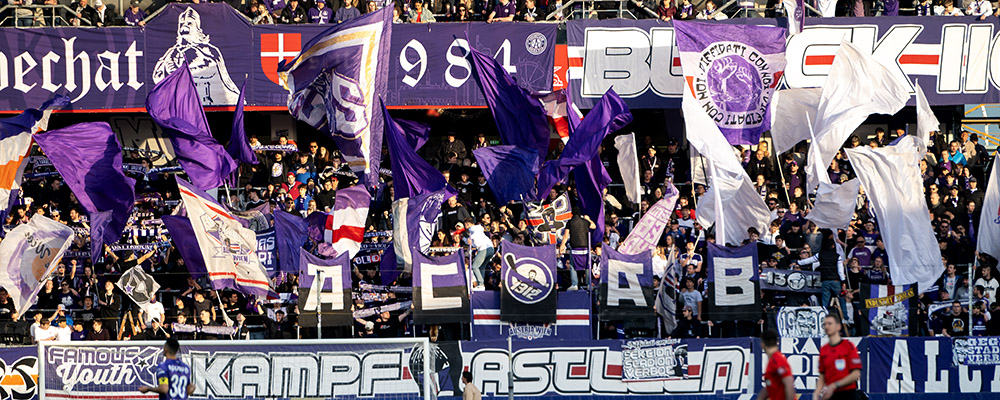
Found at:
<point>732,71</point>
<point>334,84</point>
<point>229,249</point>
<point>795,11</point>
<point>440,291</point>
<point>89,158</point>
<point>626,291</point>
<point>416,219</point>
<point>528,276</point>
<point>646,233</point>
<point>28,254</point>
<point>324,288</point>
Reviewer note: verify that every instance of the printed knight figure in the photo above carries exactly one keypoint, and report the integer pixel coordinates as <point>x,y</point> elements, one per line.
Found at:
<point>208,68</point>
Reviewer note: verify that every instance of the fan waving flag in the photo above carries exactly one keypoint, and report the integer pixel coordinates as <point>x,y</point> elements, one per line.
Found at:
<point>89,158</point>
<point>175,105</point>
<point>138,285</point>
<point>509,170</point>
<point>334,84</point>
<point>27,256</point>
<point>239,147</point>
<point>528,292</point>
<point>732,70</point>
<point>229,249</point>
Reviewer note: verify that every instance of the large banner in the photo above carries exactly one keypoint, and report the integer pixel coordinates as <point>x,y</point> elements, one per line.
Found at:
<point>19,373</point>
<point>786,280</point>
<point>626,290</point>
<point>113,68</point>
<point>572,319</point>
<point>956,59</point>
<point>440,291</point>
<point>927,365</point>
<point>891,310</point>
<point>528,290</point>
<point>733,285</point>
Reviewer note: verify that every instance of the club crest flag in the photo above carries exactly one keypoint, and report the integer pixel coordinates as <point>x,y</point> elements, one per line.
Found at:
<point>138,285</point>
<point>27,254</point>
<point>440,291</point>
<point>892,310</point>
<point>732,71</point>
<point>229,249</point>
<point>529,279</point>
<point>626,292</point>
<point>416,221</point>
<point>733,284</point>
<point>334,85</point>
<point>548,221</point>
<point>324,287</point>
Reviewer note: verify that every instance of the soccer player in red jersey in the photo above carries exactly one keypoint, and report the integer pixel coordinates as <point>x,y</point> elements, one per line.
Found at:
<point>778,381</point>
<point>839,365</point>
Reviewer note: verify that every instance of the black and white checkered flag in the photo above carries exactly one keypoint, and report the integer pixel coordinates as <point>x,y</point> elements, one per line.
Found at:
<point>138,285</point>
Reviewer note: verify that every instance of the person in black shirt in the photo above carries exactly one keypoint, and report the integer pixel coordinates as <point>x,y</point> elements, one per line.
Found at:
<point>68,297</point>
<point>956,322</point>
<point>203,304</point>
<point>6,306</point>
<point>110,304</point>
<point>688,327</point>
<point>389,326</point>
<point>87,315</point>
<point>127,261</point>
<point>326,197</point>
<point>48,297</point>
<point>179,309</point>
<point>453,213</point>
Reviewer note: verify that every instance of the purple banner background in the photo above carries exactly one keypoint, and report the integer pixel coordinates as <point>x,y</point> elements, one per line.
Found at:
<point>214,39</point>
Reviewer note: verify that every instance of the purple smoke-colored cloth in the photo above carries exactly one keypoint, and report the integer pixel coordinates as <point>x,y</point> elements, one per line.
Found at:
<point>509,170</point>
<point>416,133</point>
<point>520,118</point>
<point>239,146</point>
<point>175,105</point>
<point>411,174</point>
<point>186,243</point>
<point>608,115</point>
<point>89,158</point>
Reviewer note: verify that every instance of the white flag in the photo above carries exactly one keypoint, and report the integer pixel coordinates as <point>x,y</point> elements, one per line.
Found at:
<point>926,122</point>
<point>628,163</point>
<point>988,238</point>
<point>834,205</point>
<point>788,123</point>
<point>704,135</point>
<point>856,87</point>
<point>827,8</point>
<point>892,182</point>
<point>229,249</point>
<point>743,207</point>
<point>29,254</point>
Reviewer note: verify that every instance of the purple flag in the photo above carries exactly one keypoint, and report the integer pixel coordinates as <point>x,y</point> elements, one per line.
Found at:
<point>324,287</point>
<point>608,115</point>
<point>416,133</point>
<point>239,146</point>
<point>411,174</point>
<point>732,71</point>
<point>318,223</point>
<point>292,232</point>
<point>388,269</point>
<point>440,293</point>
<point>334,84</point>
<point>186,243</point>
<point>516,169</point>
<point>519,116</point>
<point>175,105</point>
<point>591,179</point>
<point>89,158</point>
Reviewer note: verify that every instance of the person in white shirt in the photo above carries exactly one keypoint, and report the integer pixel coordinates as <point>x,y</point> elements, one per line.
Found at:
<point>153,310</point>
<point>988,282</point>
<point>948,10</point>
<point>45,331</point>
<point>63,332</point>
<point>980,8</point>
<point>480,241</point>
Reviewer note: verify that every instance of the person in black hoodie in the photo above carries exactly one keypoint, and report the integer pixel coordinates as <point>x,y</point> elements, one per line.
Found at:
<point>293,14</point>
<point>688,327</point>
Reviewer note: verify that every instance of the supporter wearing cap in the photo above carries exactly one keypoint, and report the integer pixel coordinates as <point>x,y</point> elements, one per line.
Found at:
<point>134,15</point>
<point>103,16</point>
<point>687,326</point>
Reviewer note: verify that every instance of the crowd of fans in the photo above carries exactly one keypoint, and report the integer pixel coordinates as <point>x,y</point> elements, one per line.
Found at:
<point>96,13</point>
<point>80,300</point>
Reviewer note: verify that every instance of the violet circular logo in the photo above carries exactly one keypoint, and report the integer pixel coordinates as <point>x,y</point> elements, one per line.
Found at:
<point>527,279</point>
<point>734,84</point>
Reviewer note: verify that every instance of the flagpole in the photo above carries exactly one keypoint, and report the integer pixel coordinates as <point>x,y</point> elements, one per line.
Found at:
<point>781,172</point>
<point>319,306</point>
<point>720,224</point>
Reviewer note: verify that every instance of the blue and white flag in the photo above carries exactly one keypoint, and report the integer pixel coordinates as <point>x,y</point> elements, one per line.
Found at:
<point>334,86</point>
<point>528,276</point>
<point>733,284</point>
<point>229,249</point>
<point>732,71</point>
<point>626,291</point>
<point>892,310</point>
